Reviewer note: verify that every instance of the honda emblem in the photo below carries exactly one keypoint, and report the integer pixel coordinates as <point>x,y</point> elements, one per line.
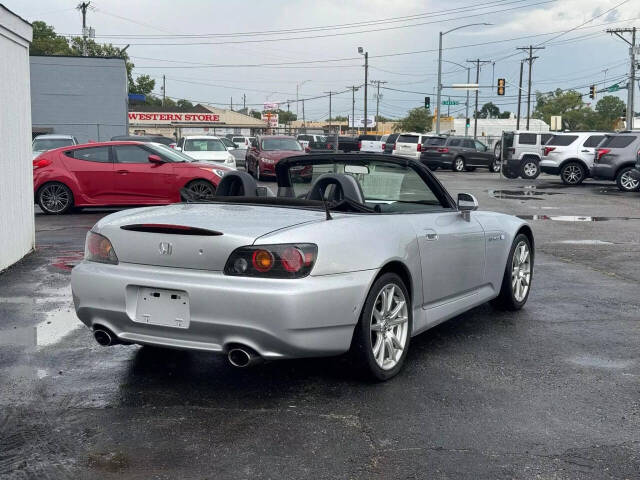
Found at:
<point>165,248</point>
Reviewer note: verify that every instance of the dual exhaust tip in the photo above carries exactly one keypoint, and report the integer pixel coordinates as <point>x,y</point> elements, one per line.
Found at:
<point>239,356</point>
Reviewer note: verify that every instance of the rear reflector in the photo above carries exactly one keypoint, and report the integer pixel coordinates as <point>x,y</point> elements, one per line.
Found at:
<point>170,229</point>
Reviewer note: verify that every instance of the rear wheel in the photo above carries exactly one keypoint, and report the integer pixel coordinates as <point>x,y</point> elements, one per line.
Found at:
<point>382,336</point>
<point>55,198</point>
<point>518,273</point>
<point>572,173</point>
<point>530,168</point>
<point>494,167</point>
<point>626,182</point>
<point>458,164</point>
<point>202,190</point>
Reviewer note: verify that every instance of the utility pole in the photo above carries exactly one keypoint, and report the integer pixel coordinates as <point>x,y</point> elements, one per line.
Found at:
<point>83,8</point>
<point>353,106</point>
<point>244,102</point>
<point>478,62</point>
<point>619,32</point>
<point>466,108</point>
<point>330,93</point>
<point>529,59</point>
<point>366,76</point>
<point>304,123</point>
<point>164,89</point>
<point>519,95</point>
<point>377,83</point>
<point>231,103</point>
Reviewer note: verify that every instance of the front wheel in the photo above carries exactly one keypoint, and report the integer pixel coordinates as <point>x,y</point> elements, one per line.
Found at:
<point>572,173</point>
<point>626,182</point>
<point>518,273</point>
<point>383,333</point>
<point>202,190</point>
<point>458,164</point>
<point>55,198</point>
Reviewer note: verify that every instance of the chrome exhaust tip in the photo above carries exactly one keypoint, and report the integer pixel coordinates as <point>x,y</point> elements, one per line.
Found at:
<point>104,337</point>
<point>241,357</point>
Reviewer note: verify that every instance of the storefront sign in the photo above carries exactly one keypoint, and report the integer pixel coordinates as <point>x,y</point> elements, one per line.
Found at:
<point>270,106</point>
<point>169,118</point>
<point>271,119</point>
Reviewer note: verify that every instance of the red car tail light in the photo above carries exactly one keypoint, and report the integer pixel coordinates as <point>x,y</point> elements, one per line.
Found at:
<point>307,149</point>
<point>41,163</point>
<point>419,147</point>
<point>359,145</point>
<point>394,147</point>
<point>547,150</point>
<point>272,261</point>
<point>98,248</point>
<point>384,145</point>
<point>601,153</point>
<point>443,150</point>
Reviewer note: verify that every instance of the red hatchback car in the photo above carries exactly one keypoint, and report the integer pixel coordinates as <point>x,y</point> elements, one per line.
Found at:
<point>267,151</point>
<point>118,173</point>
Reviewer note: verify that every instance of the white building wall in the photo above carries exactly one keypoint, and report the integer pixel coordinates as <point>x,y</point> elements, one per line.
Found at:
<point>17,230</point>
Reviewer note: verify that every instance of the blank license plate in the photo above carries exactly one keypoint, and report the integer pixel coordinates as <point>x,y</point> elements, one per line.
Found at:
<point>169,308</point>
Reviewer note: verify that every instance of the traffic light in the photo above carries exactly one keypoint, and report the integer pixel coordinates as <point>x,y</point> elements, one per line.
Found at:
<point>427,103</point>
<point>468,124</point>
<point>592,91</point>
<point>501,86</point>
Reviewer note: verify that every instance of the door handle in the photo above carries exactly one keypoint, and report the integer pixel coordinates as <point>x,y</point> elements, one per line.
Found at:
<point>431,235</point>
<point>122,172</point>
<point>585,151</point>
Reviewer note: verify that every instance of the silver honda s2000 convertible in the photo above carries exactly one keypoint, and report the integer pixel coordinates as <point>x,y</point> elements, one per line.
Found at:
<point>356,252</point>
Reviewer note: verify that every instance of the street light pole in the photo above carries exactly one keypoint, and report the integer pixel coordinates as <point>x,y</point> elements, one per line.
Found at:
<point>366,81</point>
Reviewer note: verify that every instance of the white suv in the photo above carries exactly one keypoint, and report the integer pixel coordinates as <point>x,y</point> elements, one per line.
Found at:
<point>521,152</point>
<point>410,144</point>
<point>571,155</point>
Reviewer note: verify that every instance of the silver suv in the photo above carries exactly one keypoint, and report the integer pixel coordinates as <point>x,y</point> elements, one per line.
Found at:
<point>521,152</point>
<point>615,158</point>
<point>570,155</point>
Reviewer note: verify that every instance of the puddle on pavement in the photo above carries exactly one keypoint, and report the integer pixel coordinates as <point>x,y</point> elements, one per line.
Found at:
<point>599,362</point>
<point>574,218</point>
<point>585,242</point>
<point>524,194</point>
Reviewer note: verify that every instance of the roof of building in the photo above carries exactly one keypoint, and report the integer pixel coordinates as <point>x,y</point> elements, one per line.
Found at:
<point>234,118</point>
<point>16,25</point>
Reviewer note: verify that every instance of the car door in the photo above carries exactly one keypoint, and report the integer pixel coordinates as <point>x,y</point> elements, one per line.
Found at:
<point>587,150</point>
<point>92,168</point>
<point>484,156</point>
<point>139,181</point>
<point>470,153</point>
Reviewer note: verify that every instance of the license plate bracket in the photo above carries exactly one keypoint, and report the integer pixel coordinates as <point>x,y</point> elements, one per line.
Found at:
<point>159,306</point>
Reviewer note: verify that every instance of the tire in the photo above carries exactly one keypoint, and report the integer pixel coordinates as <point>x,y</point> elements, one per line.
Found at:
<point>458,164</point>
<point>202,189</point>
<point>497,150</point>
<point>625,182</point>
<point>572,173</point>
<point>530,168</point>
<point>55,198</point>
<point>508,173</point>
<point>257,174</point>
<point>495,167</point>
<point>510,299</point>
<point>371,343</point>
<point>470,169</point>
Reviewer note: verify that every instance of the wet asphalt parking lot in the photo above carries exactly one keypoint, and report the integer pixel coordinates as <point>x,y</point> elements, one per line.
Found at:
<point>550,392</point>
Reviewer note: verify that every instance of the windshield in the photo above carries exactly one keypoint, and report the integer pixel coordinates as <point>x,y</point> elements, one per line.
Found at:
<point>168,153</point>
<point>43,144</point>
<point>203,145</point>
<point>386,187</point>
<point>288,144</point>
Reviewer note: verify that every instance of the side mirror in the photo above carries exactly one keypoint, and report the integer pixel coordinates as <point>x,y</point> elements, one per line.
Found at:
<point>156,160</point>
<point>466,204</point>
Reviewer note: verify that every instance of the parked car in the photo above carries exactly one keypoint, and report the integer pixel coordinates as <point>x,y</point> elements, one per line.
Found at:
<point>457,154</point>
<point>615,159</point>
<point>389,143</point>
<point>118,173</point>
<point>243,143</point>
<point>206,148</point>
<point>43,143</point>
<point>305,138</point>
<point>521,153</point>
<point>321,145</point>
<point>267,151</point>
<point>228,143</point>
<point>410,145</point>
<point>370,143</point>
<point>363,259</point>
<point>144,138</point>
<point>347,144</point>
<point>570,155</point>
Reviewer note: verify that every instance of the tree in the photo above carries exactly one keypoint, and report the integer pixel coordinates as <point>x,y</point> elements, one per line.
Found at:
<point>609,109</point>
<point>47,42</point>
<point>489,110</point>
<point>505,114</point>
<point>286,117</point>
<point>575,114</point>
<point>340,118</point>
<point>417,120</point>
<point>144,84</point>
<point>184,104</point>
<point>257,115</point>
<point>381,119</point>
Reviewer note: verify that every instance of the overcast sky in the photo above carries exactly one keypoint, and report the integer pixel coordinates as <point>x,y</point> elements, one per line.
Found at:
<point>574,59</point>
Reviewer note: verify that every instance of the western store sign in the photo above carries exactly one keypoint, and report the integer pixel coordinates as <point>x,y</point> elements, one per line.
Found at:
<point>172,118</point>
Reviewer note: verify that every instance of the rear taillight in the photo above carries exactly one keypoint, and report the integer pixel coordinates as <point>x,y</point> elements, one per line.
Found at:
<point>547,150</point>
<point>601,153</point>
<point>307,149</point>
<point>359,145</point>
<point>419,147</point>
<point>272,261</point>
<point>443,150</point>
<point>394,147</point>
<point>98,248</point>
<point>384,145</point>
<point>41,163</point>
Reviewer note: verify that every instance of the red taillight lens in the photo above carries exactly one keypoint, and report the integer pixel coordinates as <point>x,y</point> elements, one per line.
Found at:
<point>98,248</point>
<point>394,147</point>
<point>547,150</point>
<point>601,153</point>
<point>443,150</point>
<point>419,147</point>
<point>359,145</point>
<point>384,145</point>
<point>272,261</point>
<point>41,163</point>
<point>307,149</point>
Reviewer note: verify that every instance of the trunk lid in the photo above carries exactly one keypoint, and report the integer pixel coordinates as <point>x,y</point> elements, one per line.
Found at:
<point>157,236</point>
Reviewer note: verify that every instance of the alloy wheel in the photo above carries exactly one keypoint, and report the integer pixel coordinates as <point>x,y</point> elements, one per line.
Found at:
<point>389,326</point>
<point>55,198</point>
<point>530,169</point>
<point>521,271</point>
<point>572,174</point>
<point>202,190</point>
<point>495,167</point>
<point>629,183</point>
<point>459,164</point>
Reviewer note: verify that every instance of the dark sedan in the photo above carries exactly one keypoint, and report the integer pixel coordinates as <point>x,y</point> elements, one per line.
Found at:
<point>458,154</point>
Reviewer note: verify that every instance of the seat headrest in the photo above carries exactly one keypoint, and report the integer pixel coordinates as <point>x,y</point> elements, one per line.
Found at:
<point>237,184</point>
<point>342,186</point>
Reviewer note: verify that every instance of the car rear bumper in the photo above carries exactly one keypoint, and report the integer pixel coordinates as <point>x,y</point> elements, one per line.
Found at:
<point>400,153</point>
<point>313,316</point>
<point>444,161</point>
